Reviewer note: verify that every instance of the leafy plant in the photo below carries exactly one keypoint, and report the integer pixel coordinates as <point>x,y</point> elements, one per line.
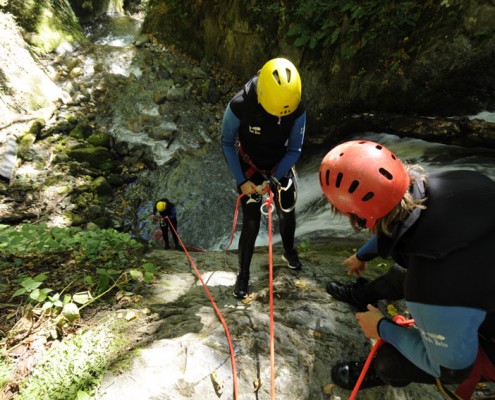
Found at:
<point>305,247</point>
<point>99,261</point>
<point>31,287</point>
<point>322,23</point>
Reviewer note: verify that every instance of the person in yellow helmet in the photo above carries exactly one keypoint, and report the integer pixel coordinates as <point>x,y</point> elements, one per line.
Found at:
<point>262,136</point>
<point>165,212</point>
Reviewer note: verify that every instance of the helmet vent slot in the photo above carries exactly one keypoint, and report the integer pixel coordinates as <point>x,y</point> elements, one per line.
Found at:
<point>339,179</point>
<point>288,74</point>
<point>327,177</point>
<point>368,196</point>
<point>277,76</point>
<point>354,186</point>
<point>386,174</point>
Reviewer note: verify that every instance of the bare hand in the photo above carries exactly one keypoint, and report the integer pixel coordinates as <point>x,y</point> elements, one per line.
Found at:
<point>248,187</point>
<point>369,321</point>
<point>354,266</point>
<point>263,188</point>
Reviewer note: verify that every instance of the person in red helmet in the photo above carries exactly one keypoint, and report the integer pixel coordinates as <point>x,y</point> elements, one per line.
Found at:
<point>262,136</point>
<point>376,198</point>
<point>439,226</point>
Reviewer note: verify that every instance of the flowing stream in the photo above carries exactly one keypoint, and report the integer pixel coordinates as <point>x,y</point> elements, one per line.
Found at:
<point>191,169</point>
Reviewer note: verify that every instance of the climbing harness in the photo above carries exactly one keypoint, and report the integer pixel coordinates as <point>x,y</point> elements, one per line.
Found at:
<point>482,368</point>
<point>268,175</point>
<point>157,236</point>
<point>252,167</point>
<point>280,189</point>
<point>398,319</point>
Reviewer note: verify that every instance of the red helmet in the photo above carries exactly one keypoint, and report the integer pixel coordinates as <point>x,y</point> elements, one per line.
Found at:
<point>363,178</point>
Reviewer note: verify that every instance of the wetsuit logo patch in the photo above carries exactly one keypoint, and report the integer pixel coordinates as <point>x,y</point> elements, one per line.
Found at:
<point>255,129</point>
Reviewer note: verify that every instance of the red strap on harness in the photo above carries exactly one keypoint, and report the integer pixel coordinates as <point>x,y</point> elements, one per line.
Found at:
<point>252,167</point>
<point>482,367</point>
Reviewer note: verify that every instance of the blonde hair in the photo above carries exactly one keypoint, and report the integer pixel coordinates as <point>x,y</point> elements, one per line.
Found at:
<point>399,213</point>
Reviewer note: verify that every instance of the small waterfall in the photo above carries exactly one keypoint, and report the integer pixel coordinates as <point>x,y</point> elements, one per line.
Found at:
<point>192,172</point>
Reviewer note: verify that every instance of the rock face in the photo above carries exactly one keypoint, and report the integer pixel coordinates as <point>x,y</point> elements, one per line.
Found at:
<point>26,88</point>
<point>189,357</point>
<point>312,331</point>
<point>412,58</point>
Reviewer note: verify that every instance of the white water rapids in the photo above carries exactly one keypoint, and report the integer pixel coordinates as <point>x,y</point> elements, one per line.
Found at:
<point>205,192</point>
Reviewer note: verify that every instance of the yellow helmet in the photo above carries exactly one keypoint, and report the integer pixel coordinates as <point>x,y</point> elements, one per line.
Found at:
<point>279,87</point>
<point>161,206</point>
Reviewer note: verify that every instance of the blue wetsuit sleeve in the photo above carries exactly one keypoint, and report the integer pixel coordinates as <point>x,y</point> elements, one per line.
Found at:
<point>446,336</point>
<point>230,127</point>
<point>369,250</point>
<point>294,147</point>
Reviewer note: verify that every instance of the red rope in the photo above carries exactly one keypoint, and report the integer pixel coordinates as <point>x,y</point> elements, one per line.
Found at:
<point>220,316</point>
<point>236,213</point>
<point>398,319</point>
<point>269,203</point>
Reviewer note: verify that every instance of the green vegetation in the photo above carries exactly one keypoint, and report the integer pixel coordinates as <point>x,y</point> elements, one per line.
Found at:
<point>324,23</point>
<point>47,28</point>
<point>53,273</point>
<point>50,268</point>
<point>317,24</point>
<point>347,27</point>
<point>61,375</point>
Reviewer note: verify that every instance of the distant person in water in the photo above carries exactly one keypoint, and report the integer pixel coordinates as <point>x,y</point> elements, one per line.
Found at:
<point>262,136</point>
<point>440,227</point>
<point>165,213</point>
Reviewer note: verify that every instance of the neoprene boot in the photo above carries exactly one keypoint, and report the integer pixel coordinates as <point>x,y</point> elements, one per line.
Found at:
<point>241,287</point>
<point>357,294</point>
<point>347,374</point>
<point>292,259</point>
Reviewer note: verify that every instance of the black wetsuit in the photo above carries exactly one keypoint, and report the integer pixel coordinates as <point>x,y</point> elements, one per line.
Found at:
<point>272,145</point>
<point>170,214</point>
<point>449,281</point>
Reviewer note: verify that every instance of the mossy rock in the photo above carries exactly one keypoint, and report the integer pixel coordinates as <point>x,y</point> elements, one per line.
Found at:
<point>36,127</point>
<point>75,219</point>
<point>97,157</point>
<point>116,180</point>
<point>101,187</point>
<point>100,139</point>
<point>81,131</point>
<point>103,222</point>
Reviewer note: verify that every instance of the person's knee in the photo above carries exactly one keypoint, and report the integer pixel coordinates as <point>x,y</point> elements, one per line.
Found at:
<point>396,370</point>
<point>388,369</point>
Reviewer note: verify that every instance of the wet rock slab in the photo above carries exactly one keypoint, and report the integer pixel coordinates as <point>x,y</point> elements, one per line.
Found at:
<point>189,357</point>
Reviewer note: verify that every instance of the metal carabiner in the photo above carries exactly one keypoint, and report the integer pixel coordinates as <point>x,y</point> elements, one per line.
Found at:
<point>268,203</point>
<point>279,197</point>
